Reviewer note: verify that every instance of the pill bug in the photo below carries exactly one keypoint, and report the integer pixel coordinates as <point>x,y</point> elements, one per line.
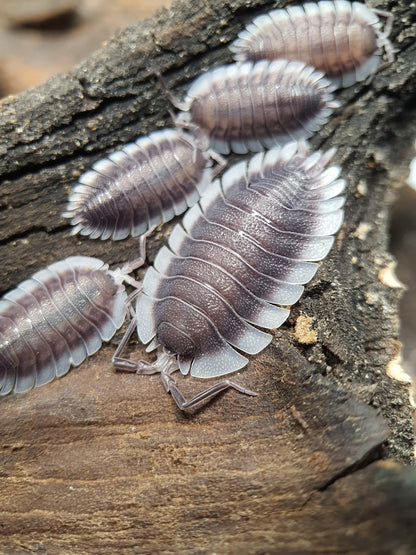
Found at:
<point>56,318</point>
<point>252,106</point>
<point>250,244</point>
<point>139,186</point>
<point>344,40</point>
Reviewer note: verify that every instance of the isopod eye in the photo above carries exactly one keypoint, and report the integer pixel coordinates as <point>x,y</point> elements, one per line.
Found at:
<point>175,340</point>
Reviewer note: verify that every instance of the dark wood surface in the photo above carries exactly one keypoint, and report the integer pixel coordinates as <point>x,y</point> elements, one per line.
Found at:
<point>99,462</point>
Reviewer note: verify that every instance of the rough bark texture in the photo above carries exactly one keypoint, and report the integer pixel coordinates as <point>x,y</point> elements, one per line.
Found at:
<point>99,462</point>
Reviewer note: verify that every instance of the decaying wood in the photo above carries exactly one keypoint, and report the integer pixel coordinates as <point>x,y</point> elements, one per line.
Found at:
<point>100,462</point>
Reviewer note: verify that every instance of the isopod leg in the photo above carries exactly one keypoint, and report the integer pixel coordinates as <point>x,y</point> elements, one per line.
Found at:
<point>136,263</point>
<point>220,160</point>
<point>383,39</point>
<point>132,296</point>
<point>388,16</point>
<point>165,365</point>
<point>126,365</point>
<point>207,394</point>
<point>119,362</point>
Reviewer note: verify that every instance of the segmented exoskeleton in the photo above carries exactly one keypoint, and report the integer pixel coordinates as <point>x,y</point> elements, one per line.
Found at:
<point>253,106</point>
<point>250,244</point>
<point>57,318</point>
<point>140,186</point>
<point>344,40</point>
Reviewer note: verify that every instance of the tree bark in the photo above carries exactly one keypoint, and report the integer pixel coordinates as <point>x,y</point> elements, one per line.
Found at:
<point>99,462</point>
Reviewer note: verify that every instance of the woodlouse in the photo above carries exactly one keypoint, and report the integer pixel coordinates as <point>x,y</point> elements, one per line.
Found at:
<point>139,186</point>
<point>249,107</point>
<point>344,40</point>
<point>57,318</point>
<point>250,244</point>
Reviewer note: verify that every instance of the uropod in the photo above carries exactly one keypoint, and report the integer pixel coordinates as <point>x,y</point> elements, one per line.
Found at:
<point>344,40</point>
<point>140,186</point>
<point>248,246</point>
<point>253,106</point>
<point>57,318</point>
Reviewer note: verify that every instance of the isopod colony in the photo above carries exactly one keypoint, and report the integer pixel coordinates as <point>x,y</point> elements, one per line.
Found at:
<point>251,239</point>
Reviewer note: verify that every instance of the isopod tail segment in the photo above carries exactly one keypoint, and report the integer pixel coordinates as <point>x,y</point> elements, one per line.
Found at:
<point>59,317</point>
<point>165,365</point>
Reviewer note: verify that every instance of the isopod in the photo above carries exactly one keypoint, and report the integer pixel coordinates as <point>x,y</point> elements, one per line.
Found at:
<point>139,186</point>
<point>57,318</point>
<point>344,40</point>
<point>252,106</point>
<point>249,245</point>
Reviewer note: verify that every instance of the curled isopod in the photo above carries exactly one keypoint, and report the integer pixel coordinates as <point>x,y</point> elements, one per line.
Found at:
<point>57,318</point>
<point>139,186</point>
<point>344,40</point>
<point>249,107</point>
<point>249,245</point>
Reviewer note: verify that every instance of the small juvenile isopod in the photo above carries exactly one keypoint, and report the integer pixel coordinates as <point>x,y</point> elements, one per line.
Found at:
<point>344,40</point>
<point>249,245</point>
<point>57,318</point>
<point>249,107</point>
<point>139,186</point>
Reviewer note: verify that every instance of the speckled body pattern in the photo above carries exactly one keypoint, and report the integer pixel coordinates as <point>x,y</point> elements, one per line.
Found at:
<point>247,246</point>
<point>249,107</point>
<point>342,39</point>
<point>139,186</point>
<point>55,319</point>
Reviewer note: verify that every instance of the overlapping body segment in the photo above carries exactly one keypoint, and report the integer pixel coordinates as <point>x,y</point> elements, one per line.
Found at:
<point>247,246</point>
<point>140,186</point>
<point>252,106</point>
<point>344,40</point>
<point>57,318</point>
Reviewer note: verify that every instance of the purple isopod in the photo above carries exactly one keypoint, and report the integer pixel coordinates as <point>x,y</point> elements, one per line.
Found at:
<point>57,318</point>
<point>139,186</point>
<point>344,40</point>
<point>249,107</point>
<point>250,244</point>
